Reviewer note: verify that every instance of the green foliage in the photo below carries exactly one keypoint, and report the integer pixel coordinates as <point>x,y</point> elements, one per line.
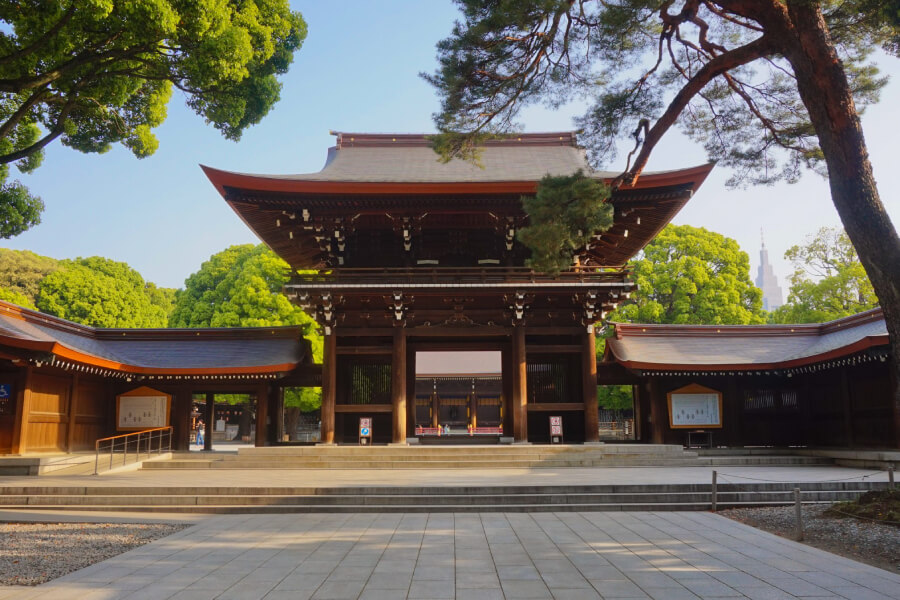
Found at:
<point>691,275</point>
<point>241,287</point>
<point>100,292</point>
<point>303,399</point>
<point>19,210</point>
<point>563,217</point>
<point>642,63</point>
<point>828,281</point>
<point>15,297</point>
<point>21,272</point>
<point>102,72</point>
<point>615,397</point>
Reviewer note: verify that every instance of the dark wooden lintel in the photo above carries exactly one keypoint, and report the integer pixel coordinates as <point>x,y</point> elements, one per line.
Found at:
<point>555,406</point>
<point>363,408</point>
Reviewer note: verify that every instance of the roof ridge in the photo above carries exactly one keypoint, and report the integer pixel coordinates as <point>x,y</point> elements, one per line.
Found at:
<point>382,140</point>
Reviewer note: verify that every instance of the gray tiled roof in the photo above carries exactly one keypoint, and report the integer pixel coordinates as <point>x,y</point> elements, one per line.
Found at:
<point>169,349</point>
<point>673,346</point>
<point>422,165</point>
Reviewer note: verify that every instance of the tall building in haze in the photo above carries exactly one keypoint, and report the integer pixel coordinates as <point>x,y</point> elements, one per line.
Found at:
<point>767,282</point>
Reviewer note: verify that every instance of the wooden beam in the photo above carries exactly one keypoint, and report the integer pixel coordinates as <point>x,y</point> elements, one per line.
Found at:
<point>363,408</point>
<point>589,386</point>
<point>398,386</point>
<point>556,406</point>
<point>329,388</point>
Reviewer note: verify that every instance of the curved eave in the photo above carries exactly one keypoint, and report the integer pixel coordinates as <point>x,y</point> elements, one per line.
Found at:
<point>77,356</point>
<point>263,183</point>
<point>848,350</point>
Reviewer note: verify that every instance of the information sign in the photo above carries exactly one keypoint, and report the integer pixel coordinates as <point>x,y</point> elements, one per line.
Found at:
<point>7,401</point>
<point>365,431</point>
<point>142,408</point>
<point>556,430</point>
<point>695,406</point>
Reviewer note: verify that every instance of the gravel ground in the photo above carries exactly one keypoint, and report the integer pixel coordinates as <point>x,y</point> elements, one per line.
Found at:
<point>872,543</point>
<point>33,553</point>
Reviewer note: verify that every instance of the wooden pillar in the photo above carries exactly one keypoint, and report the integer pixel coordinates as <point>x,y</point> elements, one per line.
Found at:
<point>398,387</point>
<point>894,388</point>
<point>658,417</point>
<point>637,393</point>
<point>23,408</point>
<point>182,404</point>
<point>329,387</point>
<point>848,408</point>
<point>473,408</point>
<point>278,391</point>
<point>208,419</point>
<point>410,391</point>
<point>262,415</point>
<point>589,386</point>
<point>72,411</point>
<point>506,412</point>
<point>519,385</point>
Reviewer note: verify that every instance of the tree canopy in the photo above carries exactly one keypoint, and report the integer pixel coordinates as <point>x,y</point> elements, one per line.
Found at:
<point>563,216</point>
<point>767,86</point>
<point>101,292</point>
<point>97,73</point>
<point>241,287</point>
<point>21,272</point>
<point>828,281</point>
<point>691,275</point>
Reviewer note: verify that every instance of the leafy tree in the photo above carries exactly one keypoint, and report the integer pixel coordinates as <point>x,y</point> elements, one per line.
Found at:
<point>691,275</point>
<point>99,292</point>
<point>563,216</point>
<point>15,297</point>
<point>828,281</point>
<point>21,272</point>
<point>615,397</point>
<point>768,86</point>
<point>98,73</point>
<point>241,287</point>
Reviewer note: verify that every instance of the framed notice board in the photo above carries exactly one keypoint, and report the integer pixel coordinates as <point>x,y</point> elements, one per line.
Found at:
<point>695,407</point>
<point>142,408</point>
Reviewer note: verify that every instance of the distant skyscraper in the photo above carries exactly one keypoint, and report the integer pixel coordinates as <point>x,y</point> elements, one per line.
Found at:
<point>766,280</point>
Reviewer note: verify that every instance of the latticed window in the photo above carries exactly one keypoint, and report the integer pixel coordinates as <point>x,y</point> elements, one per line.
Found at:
<point>770,400</point>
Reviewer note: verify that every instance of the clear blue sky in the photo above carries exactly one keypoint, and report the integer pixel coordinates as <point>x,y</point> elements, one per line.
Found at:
<point>358,71</point>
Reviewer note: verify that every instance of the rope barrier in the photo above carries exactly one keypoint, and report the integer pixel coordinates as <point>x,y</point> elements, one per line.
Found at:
<point>854,478</point>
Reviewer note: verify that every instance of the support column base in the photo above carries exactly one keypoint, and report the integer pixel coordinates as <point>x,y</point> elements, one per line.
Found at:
<point>594,443</point>
<point>398,443</point>
<point>326,444</point>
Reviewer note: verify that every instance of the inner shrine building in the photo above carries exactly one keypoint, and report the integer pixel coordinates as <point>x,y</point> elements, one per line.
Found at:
<point>400,253</point>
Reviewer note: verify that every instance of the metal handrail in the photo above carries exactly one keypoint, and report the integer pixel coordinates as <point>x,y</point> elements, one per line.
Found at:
<point>137,440</point>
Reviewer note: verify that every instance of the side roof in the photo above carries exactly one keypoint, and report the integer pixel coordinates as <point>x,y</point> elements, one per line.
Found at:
<point>743,347</point>
<point>262,350</point>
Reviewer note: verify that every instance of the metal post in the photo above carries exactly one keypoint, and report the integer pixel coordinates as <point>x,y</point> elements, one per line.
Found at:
<point>715,491</point>
<point>112,448</point>
<point>96,460</point>
<point>798,514</point>
<point>891,475</point>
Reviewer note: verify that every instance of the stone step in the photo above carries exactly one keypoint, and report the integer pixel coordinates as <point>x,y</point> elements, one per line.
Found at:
<point>418,499</point>
<point>419,464</point>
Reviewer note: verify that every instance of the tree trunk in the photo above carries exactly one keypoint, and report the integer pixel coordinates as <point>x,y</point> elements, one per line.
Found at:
<point>825,90</point>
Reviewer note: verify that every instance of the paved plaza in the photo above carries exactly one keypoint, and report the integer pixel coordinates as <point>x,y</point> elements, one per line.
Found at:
<point>664,556</point>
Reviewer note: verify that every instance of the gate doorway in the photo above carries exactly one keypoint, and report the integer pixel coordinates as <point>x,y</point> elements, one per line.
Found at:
<point>459,395</point>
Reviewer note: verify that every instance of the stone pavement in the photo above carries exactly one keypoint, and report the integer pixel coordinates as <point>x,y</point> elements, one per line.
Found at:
<point>664,556</point>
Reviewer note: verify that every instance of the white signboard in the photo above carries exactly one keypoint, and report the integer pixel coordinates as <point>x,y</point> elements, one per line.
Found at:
<point>142,412</point>
<point>696,410</point>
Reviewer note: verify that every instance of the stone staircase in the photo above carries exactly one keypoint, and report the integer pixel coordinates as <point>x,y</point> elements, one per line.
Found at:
<point>467,457</point>
<point>509,498</point>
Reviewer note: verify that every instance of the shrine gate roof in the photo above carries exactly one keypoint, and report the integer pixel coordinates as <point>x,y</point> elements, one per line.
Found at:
<point>743,347</point>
